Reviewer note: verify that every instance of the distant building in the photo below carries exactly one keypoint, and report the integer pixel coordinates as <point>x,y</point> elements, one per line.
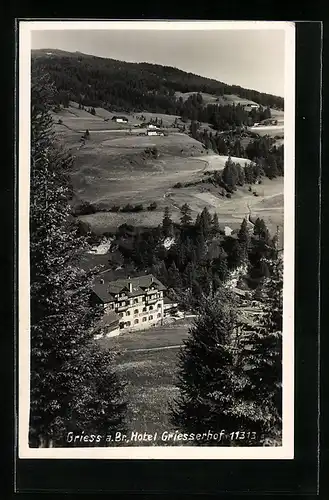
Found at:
<point>169,306</point>
<point>154,132</point>
<point>130,303</point>
<point>120,119</point>
<point>228,231</point>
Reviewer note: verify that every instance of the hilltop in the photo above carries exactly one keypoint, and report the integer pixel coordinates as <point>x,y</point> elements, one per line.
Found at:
<point>126,86</point>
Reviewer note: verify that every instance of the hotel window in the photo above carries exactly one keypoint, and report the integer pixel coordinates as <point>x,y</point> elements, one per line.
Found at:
<point>159,315</point>
<point>135,301</point>
<point>144,309</point>
<point>122,325</point>
<point>145,318</point>
<point>136,311</point>
<point>150,317</point>
<point>121,315</point>
<point>159,306</point>
<point>128,323</point>
<point>128,313</point>
<point>151,308</point>
<point>136,321</point>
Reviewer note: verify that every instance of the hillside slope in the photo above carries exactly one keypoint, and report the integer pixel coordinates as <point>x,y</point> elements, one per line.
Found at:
<point>132,86</point>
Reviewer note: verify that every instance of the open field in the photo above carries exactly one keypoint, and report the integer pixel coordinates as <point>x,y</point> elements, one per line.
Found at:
<point>267,205</point>
<point>234,99</point>
<point>159,337</point>
<point>207,98</point>
<point>270,130</point>
<point>150,377</point>
<point>114,167</point>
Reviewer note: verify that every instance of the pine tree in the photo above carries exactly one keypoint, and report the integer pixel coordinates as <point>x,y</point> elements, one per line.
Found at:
<point>209,382</point>
<point>186,218</point>
<point>244,239</point>
<point>205,222</point>
<point>167,224</point>
<point>174,279</point>
<point>67,373</point>
<point>264,355</point>
<point>215,224</point>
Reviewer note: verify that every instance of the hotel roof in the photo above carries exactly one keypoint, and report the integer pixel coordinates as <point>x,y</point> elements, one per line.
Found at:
<point>106,290</point>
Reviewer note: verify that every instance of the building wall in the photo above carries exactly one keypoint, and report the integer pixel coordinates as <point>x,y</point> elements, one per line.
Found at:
<point>135,313</point>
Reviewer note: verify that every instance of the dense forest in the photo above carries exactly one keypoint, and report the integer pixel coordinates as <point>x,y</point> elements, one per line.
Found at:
<point>123,86</point>
<point>193,257</point>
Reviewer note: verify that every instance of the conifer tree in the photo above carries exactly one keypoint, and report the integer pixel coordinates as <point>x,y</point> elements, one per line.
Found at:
<point>215,224</point>
<point>205,222</point>
<point>174,279</point>
<point>244,239</point>
<point>264,355</point>
<point>73,387</point>
<point>186,218</point>
<point>209,382</point>
<point>167,224</point>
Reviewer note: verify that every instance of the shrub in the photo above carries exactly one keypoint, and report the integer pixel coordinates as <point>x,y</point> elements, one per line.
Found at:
<point>127,208</point>
<point>152,206</point>
<point>115,208</point>
<point>85,208</point>
<point>228,195</point>
<point>138,208</point>
<point>178,185</point>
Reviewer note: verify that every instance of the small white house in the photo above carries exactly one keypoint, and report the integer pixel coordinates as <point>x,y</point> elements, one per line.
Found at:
<point>228,231</point>
<point>120,119</point>
<point>154,132</point>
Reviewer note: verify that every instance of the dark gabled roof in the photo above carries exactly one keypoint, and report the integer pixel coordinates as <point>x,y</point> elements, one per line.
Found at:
<point>168,301</point>
<point>106,289</point>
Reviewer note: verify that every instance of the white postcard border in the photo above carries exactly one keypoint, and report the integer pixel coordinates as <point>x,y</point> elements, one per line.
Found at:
<point>286,451</point>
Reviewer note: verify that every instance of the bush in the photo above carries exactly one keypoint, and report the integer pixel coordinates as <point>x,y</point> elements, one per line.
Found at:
<point>85,208</point>
<point>255,193</point>
<point>152,206</point>
<point>127,208</point>
<point>60,122</point>
<point>138,208</point>
<point>115,208</point>
<point>228,195</point>
<point>178,185</point>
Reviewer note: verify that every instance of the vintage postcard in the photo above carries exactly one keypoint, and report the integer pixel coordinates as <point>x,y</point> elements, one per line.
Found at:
<point>156,239</point>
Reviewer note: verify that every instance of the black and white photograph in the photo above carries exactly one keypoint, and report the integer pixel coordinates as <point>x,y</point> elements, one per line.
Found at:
<point>156,239</point>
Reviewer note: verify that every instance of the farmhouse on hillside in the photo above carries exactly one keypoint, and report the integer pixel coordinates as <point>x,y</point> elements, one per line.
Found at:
<point>154,132</point>
<point>129,304</point>
<point>120,119</point>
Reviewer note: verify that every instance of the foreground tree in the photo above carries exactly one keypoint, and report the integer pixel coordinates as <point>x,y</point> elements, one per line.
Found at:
<point>210,381</point>
<point>264,355</point>
<point>72,386</point>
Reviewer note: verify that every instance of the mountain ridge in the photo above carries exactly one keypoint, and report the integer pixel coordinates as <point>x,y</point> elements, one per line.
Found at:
<point>87,77</point>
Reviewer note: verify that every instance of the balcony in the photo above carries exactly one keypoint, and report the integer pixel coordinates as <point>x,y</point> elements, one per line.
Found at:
<point>151,301</point>
<point>122,308</point>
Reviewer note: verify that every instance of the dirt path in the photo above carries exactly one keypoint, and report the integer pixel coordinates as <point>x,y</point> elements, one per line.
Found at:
<point>156,348</point>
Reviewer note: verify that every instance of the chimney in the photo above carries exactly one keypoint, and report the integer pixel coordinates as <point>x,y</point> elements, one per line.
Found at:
<point>130,285</point>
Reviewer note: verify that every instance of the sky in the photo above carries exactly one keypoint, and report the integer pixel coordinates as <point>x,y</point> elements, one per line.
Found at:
<point>253,59</point>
